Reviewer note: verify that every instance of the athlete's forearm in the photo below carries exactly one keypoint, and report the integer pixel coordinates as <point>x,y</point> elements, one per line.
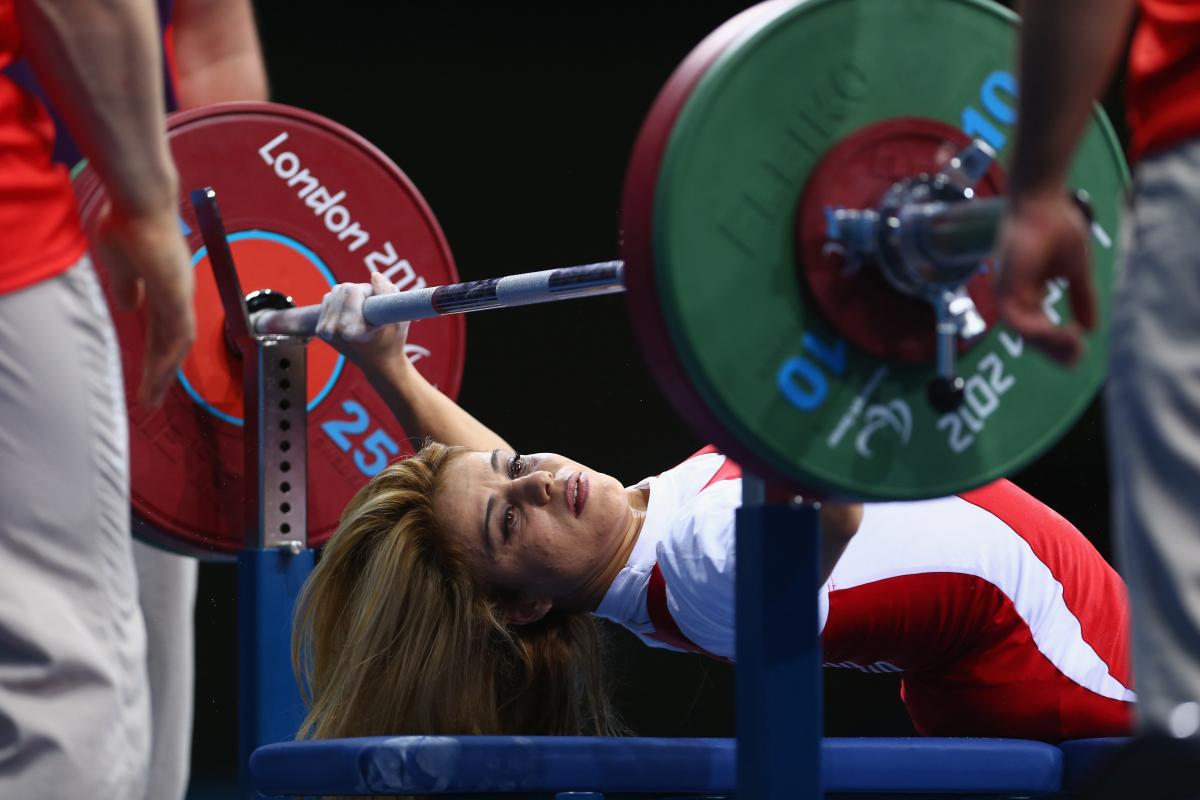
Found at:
<point>424,412</point>
<point>99,61</point>
<point>1068,50</point>
<point>839,523</point>
<point>217,53</point>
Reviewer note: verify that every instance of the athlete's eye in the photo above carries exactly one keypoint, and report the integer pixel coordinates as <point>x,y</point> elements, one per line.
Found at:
<point>517,465</point>
<point>510,517</point>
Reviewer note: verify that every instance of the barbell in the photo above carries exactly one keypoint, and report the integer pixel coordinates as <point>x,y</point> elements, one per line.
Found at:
<point>510,291</point>
<point>761,306</point>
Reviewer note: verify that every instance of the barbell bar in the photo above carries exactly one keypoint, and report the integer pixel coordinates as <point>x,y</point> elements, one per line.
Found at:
<point>958,236</point>
<point>510,291</point>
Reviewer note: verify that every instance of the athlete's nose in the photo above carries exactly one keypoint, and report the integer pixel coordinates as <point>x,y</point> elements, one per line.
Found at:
<point>536,487</point>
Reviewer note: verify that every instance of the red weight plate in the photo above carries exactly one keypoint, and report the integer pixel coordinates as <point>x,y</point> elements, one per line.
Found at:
<point>637,228</point>
<point>856,173</point>
<point>307,204</point>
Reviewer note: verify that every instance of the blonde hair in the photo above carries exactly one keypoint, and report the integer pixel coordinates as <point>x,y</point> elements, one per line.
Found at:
<point>392,635</point>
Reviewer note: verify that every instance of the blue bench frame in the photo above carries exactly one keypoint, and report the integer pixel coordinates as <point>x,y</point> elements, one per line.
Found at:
<point>513,766</point>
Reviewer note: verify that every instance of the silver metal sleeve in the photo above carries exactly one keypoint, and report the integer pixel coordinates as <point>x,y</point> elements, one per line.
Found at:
<point>952,233</point>
<point>301,321</point>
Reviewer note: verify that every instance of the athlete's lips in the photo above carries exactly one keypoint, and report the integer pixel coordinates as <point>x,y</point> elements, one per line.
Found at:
<point>577,492</point>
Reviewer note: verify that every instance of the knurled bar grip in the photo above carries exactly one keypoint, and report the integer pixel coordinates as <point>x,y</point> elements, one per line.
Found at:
<point>546,286</point>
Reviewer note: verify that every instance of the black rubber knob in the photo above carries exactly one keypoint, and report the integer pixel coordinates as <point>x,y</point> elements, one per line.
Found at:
<point>1083,201</point>
<point>259,300</point>
<point>265,299</point>
<point>946,394</point>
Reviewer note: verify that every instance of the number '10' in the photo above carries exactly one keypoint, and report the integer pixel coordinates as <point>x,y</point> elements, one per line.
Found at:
<point>802,382</point>
<point>978,125</point>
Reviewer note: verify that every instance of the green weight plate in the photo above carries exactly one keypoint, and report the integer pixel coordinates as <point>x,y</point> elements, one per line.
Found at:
<point>709,227</point>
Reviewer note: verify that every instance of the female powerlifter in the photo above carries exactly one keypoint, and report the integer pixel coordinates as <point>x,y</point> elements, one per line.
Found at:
<point>459,592</point>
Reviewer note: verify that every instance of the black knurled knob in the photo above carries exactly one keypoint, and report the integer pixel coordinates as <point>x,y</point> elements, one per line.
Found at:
<point>267,299</point>
<point>946,394</point>
<point>259,300</point>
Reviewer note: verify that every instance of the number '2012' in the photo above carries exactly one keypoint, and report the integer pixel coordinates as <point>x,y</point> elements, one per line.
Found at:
<point>982,398</point>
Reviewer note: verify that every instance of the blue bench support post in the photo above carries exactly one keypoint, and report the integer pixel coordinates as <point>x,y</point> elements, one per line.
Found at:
<point>276,560</point>
<point>269,705</point>
<point>779,716</point>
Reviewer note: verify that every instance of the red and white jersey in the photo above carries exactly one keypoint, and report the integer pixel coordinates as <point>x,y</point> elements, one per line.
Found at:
<point>1001,617</point>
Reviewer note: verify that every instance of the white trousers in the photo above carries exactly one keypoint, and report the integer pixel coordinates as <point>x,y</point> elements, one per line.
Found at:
<point>74,710</point>
<point>1153,412</point>
<point>167,593</point>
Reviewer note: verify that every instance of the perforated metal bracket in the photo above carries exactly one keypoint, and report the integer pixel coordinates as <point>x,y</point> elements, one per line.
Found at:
<point>275,411</point>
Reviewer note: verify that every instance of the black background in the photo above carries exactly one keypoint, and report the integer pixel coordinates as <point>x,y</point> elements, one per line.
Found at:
<point>516,121</point>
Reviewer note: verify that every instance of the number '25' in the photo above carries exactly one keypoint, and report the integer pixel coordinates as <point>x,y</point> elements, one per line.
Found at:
<point>377,444</point>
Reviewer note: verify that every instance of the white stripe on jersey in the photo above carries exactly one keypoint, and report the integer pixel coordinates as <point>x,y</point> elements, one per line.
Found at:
<point>951,535</point>
<point>625,600</point>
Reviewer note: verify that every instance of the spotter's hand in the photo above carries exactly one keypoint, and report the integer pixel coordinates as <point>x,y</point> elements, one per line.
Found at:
<point>148,264</point>
<point>1046,237</point>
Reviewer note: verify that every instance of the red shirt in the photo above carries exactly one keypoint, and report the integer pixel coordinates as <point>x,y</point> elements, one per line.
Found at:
<point>1163,89</point>
<point>1001,618</point>
<point>40,234</point>
<point>1000,615</point>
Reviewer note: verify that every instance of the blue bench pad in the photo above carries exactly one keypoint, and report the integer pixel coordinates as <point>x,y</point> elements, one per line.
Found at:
<point>1082,757</point>
<point>510,764</point>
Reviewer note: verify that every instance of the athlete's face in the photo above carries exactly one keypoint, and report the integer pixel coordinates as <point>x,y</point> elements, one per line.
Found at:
<point>537,527</point>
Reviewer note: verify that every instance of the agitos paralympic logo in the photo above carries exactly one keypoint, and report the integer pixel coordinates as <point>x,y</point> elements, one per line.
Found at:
<point>895,416</point>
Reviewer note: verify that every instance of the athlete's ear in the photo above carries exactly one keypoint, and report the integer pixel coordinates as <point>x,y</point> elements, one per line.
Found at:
<point>525,610</point>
